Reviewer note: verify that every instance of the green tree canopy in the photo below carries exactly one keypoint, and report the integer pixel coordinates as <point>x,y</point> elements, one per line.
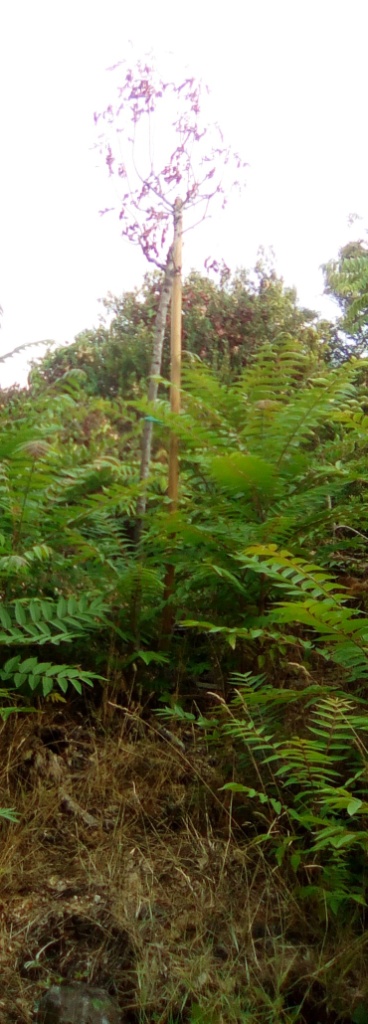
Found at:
<point>224,323</point>
<point>346,280</point>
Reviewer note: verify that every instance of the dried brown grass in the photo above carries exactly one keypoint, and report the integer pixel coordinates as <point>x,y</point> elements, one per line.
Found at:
<point>127,870</point>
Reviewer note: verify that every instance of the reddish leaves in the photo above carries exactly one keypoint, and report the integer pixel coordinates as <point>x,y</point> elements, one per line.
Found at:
<point>195,167</point>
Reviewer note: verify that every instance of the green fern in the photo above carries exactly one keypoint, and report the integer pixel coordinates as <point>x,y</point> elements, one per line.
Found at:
<point>314,780</point>
<point>43,621</point>
<point>34,677</point>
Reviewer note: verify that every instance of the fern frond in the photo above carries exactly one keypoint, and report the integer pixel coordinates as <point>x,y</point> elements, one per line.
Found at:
<point>41,621</point>
<point>33,676</point>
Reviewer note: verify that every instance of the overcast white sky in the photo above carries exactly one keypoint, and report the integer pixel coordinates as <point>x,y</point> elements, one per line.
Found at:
<point>289,87</point>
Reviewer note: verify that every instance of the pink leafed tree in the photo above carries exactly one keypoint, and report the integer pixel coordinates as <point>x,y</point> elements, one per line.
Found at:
<point>159,148</point>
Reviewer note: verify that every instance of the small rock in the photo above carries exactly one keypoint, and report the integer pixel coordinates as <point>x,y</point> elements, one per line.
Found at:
<point>77,1004</point>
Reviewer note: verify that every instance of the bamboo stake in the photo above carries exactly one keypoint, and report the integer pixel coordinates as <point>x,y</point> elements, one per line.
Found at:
<point>175,378</point>
<point>176,308</point>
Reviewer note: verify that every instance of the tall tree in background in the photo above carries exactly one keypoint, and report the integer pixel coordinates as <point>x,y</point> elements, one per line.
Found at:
<point>157,143</point>
<point>346,280</point>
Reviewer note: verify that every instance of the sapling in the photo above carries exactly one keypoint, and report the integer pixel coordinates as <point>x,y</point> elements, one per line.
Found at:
<point>161,151</point>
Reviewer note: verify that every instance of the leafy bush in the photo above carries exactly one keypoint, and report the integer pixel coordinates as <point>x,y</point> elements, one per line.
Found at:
<point>224,323</point>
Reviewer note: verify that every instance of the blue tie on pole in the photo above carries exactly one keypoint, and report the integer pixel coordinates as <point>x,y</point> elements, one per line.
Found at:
<point>153,419</point>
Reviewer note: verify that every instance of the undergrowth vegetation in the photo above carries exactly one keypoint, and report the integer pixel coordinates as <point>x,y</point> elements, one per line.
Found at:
<point>225,784</point>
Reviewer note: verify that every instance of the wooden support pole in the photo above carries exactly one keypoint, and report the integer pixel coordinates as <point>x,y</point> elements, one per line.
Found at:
<point>176,313</point>
<point>175,379</point>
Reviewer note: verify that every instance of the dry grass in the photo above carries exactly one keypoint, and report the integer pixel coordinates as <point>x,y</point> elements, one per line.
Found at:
<point>126,870</point>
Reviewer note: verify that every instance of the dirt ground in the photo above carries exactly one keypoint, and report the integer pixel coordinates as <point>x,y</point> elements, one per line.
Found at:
<point>130,869</point>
